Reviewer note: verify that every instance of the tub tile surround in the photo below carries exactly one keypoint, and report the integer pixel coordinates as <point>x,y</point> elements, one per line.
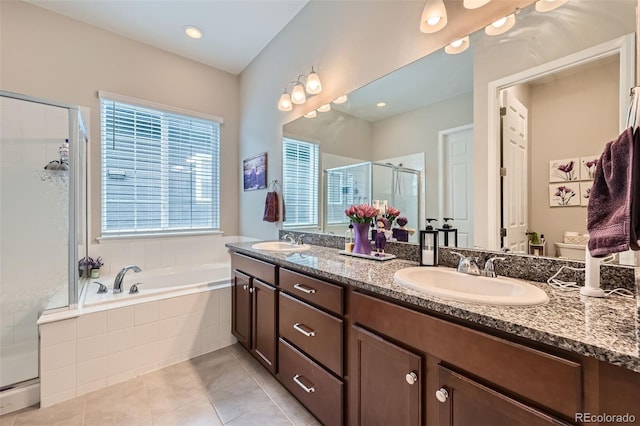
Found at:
<point>606,329</point>
<point>99,349</point>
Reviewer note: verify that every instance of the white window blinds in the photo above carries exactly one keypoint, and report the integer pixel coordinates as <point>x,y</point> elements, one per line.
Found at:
<point>160,170</point>
<point>300,182</point>
<point>346,185</point>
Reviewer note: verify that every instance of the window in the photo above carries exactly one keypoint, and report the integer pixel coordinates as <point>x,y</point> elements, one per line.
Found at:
<point>300,182</point>
<point>346,185</point>
<point>160,170</point>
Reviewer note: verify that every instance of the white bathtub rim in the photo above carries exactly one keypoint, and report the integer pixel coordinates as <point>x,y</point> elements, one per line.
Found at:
<point>130,301</point>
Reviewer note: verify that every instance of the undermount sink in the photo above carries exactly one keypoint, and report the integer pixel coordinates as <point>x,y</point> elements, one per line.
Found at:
<point>281,246</point>
<point>450,284</point>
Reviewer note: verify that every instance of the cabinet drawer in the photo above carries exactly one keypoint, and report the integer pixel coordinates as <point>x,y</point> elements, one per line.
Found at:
<point>313,331</point>
<point>256,268</point>
<point>546,379</point>
<point>319,391</point>
<point>320,293</point>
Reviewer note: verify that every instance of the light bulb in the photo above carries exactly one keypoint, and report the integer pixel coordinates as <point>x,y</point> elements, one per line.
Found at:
<point>297,94</point>
<point>314,86</point>
<point>193,32</point>
<point>311,114</point>
<point>285,102</point>
<point>325,108</point>
<point>501,26</point>
<point>457,43</point>
<point>434,16</point>
<point>457,46</point>
<point>340,99</point>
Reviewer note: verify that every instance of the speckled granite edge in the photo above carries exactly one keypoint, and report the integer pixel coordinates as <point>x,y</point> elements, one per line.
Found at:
<point>530,268</point>
<point>606,329</point>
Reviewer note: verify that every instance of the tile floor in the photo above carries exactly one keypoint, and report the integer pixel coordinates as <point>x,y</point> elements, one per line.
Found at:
<point>225,387</point>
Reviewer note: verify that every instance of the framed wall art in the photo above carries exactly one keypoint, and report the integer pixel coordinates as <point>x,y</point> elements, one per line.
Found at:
<point>255,172</point>
<point>564,194</point>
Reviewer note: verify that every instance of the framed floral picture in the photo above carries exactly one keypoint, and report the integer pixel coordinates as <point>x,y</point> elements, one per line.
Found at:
<point>585,190</point>
<point>588,167</point>
<point>255,172</point>
<point>564,194</point>
<point>566,170</point>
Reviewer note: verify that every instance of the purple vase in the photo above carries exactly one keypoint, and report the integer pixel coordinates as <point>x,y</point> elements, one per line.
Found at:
<point>361,233</point>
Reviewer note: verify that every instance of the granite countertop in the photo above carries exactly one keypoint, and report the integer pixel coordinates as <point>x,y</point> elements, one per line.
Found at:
<point>606,329</point>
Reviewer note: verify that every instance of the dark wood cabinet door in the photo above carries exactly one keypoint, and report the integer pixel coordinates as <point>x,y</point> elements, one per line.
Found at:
<point>264,323</point>
<point>387,382</point>
<point>241,304</point>
<point>464,402</point>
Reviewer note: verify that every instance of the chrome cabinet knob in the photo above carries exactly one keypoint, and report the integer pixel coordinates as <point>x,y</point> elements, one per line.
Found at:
<point>411,377</point>
<point>442,395</point>
<point>245,287</point>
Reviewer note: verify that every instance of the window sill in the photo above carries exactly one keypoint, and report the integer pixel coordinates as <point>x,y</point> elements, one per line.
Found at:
<point>183,234</point>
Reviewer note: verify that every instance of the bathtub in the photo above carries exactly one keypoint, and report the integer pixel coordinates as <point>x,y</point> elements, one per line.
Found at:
<point>179,313</point>
<point>158,283</point>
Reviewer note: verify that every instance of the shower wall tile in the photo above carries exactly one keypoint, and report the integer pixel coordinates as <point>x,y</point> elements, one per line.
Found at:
<point>58,356</point>
<point>119,340</point>
<point>92,324</point>
<point>57,332</point>
<point>145,313</point>
<point>92,347</point>
<point>119,318</point>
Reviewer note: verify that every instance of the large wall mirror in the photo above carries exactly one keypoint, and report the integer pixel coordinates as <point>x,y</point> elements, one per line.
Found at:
<point>444,148</point>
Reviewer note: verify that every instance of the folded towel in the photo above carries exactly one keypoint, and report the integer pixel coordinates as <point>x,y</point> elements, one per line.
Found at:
<point>271,207</point>
<point>609,209</point>
<point>634,230</point>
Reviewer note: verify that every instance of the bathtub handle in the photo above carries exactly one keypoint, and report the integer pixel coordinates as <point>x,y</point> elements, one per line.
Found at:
<point>298,327</point>
<point>102,288</point>
<point>304,289</point>
<point>134,288</point>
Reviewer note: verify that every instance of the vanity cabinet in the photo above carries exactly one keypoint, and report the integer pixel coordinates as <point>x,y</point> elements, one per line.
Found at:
<point>386,381</point>
<point>475,378</point>
<point>254,302</point>
<point>311,355</point>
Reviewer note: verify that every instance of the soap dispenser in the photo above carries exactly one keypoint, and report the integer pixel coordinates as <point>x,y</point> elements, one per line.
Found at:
<point>348,239</point>
<point>448,229</point>
<point>429,245</point>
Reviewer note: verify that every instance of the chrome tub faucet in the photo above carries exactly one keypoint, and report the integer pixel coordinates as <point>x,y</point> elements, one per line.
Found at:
<point>117,283</point>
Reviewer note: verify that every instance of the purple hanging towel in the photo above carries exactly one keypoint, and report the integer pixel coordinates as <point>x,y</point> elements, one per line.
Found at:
<point>271,207</point>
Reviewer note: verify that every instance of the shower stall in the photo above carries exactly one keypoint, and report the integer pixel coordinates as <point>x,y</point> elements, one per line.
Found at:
<point>363,182</point>
<point>42,155</point>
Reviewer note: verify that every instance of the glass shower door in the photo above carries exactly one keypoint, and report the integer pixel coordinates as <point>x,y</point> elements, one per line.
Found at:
<point>35,188</point>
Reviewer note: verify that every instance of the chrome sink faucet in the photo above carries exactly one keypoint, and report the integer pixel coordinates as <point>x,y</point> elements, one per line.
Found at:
<point>489,271</point>
<point>117,283</point>
<point>467,265</point>
<point>290,237</point>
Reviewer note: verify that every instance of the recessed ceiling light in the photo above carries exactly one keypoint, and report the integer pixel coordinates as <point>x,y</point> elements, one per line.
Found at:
<point>193,32</point>
<point>381,104</point>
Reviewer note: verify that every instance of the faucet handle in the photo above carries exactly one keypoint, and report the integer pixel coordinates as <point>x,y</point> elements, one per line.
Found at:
<point>300,239</point>
<point>102,288</point>
<point>134,288</point>
<point>489,270</point>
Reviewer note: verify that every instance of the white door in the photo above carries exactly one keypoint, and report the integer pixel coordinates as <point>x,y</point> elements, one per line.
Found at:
<point>456,190</point>
<point>514,182</point>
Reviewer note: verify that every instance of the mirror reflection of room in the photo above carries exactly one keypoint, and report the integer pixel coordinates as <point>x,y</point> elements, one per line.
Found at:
<point>432,116</point>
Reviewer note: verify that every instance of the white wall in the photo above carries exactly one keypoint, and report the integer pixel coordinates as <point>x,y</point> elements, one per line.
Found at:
<point>47,55</point>
<point>350,43</point>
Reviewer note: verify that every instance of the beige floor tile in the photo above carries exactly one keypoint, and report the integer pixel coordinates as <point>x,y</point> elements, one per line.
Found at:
<point>124,404</point>
<point>223,375</point>
<point>270,384</point>
<point>294,411</point>
<point>238,398</point>
<point>68,412</point>
<point>7,419</point>
<point>173,396</point>
<point>199,413</point>
<point>261,414</point>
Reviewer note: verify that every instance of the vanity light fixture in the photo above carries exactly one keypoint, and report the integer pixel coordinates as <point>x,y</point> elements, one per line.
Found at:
<point>193,32</point>
<point>340,100</point>
<point>548,5</point>
<point>303,86</point>
<point>324,108</point>
<point>474,4</point>
<point>457,46</point>
<point>434,16</point>
<point>311,114</point>
<point>501,26</point>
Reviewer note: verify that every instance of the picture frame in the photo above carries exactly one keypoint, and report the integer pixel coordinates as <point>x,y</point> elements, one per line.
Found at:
<point>564,194</point>
<point>565,170</point>
<point>585,189</point>
<point>254,172</point>
<point>588,166</point>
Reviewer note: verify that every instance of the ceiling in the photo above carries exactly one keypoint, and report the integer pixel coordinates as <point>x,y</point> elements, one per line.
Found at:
<point>235,31</point>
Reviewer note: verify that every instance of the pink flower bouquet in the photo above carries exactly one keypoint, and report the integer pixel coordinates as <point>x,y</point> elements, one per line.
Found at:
<point>391,214</point>
<point>362,213</point>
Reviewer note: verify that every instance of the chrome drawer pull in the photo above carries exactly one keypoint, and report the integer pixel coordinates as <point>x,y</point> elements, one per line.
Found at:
<point>296,379</point>
<point>304,289</point>
<point>297,327</point>
<point>245,287</point>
